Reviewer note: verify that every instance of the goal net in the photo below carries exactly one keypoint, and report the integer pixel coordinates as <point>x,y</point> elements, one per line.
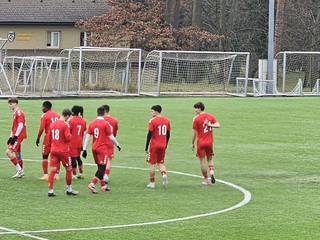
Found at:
<point>298,69</point>
<point>95,70</point>
<point>192,72</point>
<point>5,87</point>
<point>35,75</point>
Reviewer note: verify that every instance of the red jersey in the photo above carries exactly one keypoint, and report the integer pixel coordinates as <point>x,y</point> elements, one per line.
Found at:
<point>114,127</point>
<point>59,136</point>
<point>159,126</point>
<point>205,134</point>
<point>19,117</point>
<point>46,119</point>
<point>100,130</point>
<point>77,127</point>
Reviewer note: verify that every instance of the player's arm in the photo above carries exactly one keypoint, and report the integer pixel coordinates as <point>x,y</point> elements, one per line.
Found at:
<point>67,134</point>
<point>85,145</point>
<point>194,137</point>
<point>212,125</point>
<point>41,129</point>
<point>115,142</point>
<point>168,137</point>
<point>149,135</point>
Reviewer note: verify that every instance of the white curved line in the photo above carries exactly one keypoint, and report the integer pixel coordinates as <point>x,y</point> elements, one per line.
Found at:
<point>246,199</point>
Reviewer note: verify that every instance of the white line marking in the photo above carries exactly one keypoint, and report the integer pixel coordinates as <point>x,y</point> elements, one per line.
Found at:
<point>12,231</point>
<point>246,199</point>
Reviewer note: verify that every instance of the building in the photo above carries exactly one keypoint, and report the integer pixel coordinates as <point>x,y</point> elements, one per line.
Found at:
<point>45,27</point>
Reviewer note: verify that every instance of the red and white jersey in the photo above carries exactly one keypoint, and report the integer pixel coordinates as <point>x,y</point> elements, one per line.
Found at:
<point>59,136</point>
<point>78,126</point>
<point>19,117</point>
<point>205,134</point>
<point>100,130</point>
<point>46,119</point>
<point>159,126</point>
<point>114,126</point>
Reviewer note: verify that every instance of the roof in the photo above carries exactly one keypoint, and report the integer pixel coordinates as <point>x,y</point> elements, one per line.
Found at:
<point>50,11</point>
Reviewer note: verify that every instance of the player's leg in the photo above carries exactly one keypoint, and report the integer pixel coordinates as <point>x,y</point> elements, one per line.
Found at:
<point>152,160</point>
<point>54,162</point>
<point>74,167</point>
<point>95,179</point>
<point>66,162</point>
<point>210,153</point>
<point>10,152</point>
<point>109,163</point>
<point>80,166</point>
<point>201,154</point>
<point>45,163</point>
<point>161,166</point>
<point>103,182</point>
<point>19,157</point>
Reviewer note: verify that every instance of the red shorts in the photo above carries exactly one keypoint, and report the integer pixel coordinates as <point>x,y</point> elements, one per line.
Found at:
<point>156,155</point>
<point>75,152</point>
<point>204,150</point>
<point>16,147</point>
<point>46,149</point>
<point>100,157</point>
<point>57,157</point>
<point>111,152</point>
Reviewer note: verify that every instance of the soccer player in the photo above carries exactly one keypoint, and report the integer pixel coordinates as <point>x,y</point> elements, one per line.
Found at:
<point>78,126</point>
<point>59,138</point>
<point>158,137</point>
<point>203,123</point>
<point>47,118</point>
<point>114,127</point>
<point>102,133</point>
<point>18,134</point>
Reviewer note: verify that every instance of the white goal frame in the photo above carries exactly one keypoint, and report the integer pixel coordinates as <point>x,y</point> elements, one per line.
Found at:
<point>101,70</point>
<point>192,72</point>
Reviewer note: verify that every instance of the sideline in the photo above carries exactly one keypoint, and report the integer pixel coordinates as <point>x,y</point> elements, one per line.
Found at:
<point>246,200</point>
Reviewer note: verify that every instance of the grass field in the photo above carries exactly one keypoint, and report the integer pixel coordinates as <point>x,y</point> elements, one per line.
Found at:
<point>267,146</point>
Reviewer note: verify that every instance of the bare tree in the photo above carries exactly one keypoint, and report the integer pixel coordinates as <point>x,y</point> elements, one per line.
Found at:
<point>172,12</point>
<point>197,13</point>
<point>279,25</point>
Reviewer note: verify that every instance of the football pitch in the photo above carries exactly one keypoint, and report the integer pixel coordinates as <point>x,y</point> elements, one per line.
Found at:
<point>267,170</point>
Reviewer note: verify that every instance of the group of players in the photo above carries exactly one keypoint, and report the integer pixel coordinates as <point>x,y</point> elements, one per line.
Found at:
<point>67,135</point>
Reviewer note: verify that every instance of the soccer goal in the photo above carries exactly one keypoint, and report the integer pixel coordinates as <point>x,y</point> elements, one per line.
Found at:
<point>298,70</point>
<point>5,87</point>
<point>99,70</point>
<point>36,76</point>
<point>192,72</point>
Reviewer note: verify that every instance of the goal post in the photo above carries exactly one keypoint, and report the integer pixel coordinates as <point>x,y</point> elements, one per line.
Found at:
<point>295,68</point>
<point>192,72</point>
<point>101,70</point>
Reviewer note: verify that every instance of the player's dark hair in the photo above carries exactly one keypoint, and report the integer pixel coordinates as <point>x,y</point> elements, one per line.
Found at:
<point>199,105</point>
<point>157,108</point>
<point>81,111</point>
<point>47,104</point>
<point>13,100</point>
<point>100,111</point>
<point>66,112</point>
<point>76,110</point>
<point>106,108</point>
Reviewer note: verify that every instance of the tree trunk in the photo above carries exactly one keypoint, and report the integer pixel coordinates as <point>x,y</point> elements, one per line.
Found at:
<point>197,13</point>
<point>279,26</point>
<point>172,12</point>
<point>222,24</point>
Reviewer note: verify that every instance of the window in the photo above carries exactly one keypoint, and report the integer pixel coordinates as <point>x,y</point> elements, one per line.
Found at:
<point>53,39</point>
<point>83,39</point>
